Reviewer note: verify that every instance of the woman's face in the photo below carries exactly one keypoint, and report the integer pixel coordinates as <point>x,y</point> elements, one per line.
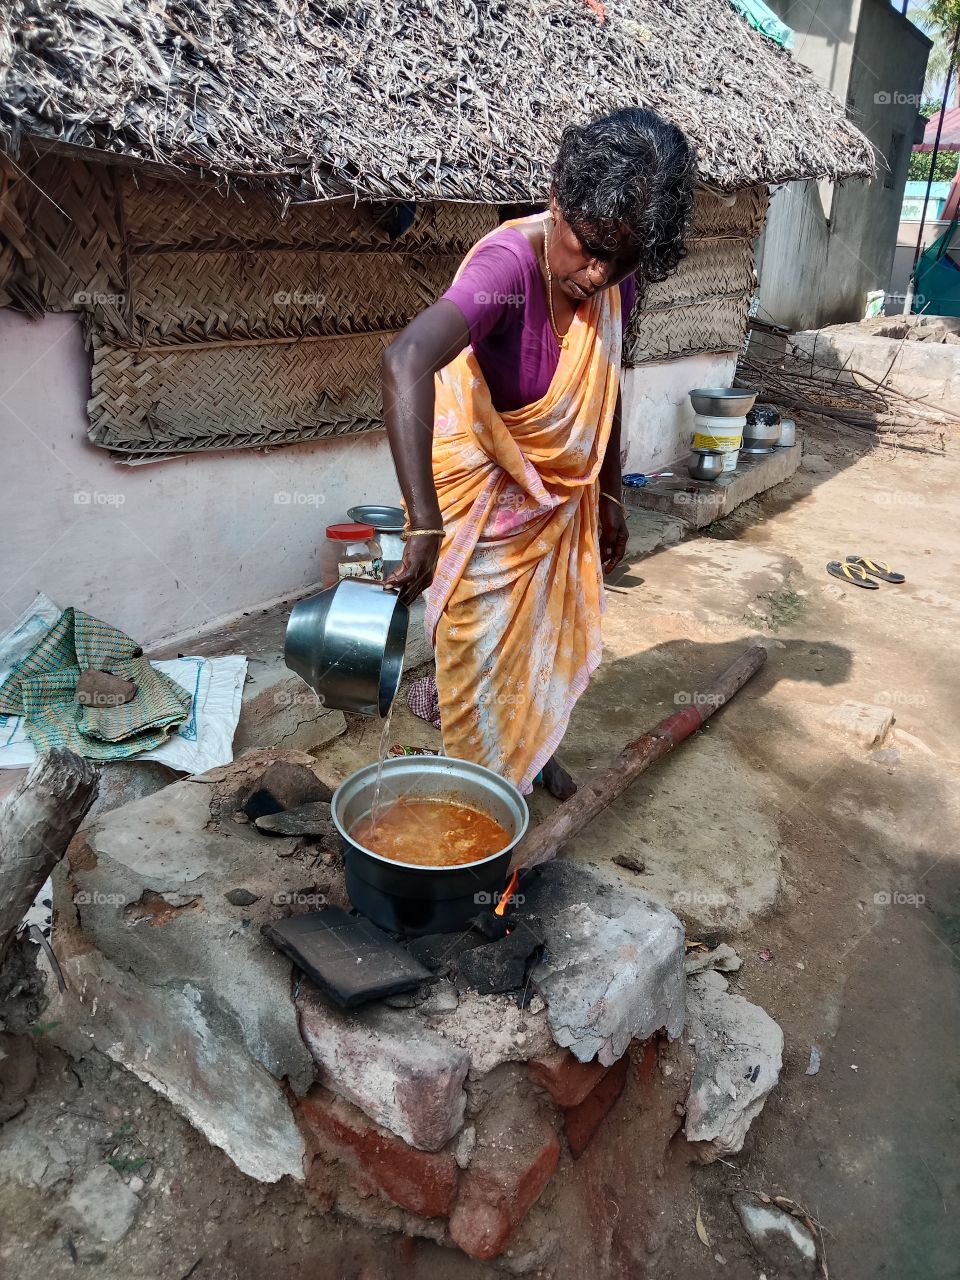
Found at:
<point>581,270</point>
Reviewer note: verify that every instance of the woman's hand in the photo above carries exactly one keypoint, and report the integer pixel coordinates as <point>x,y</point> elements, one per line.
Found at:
<point>420,556</point>
<point>613,534</point>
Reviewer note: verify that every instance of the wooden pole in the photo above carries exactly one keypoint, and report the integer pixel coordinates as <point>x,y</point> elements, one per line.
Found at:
<point>37,822</point>
<point>546,840</point>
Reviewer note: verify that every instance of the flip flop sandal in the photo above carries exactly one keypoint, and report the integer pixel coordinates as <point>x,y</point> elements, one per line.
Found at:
<point>853,574</point>
<point>877,568</point>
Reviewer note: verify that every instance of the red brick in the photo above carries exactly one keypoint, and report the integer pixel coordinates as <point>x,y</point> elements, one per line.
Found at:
<point>567,1080</point>
<point>516,1154</point>
<point>580,1123</point>
<point>423,1182</point>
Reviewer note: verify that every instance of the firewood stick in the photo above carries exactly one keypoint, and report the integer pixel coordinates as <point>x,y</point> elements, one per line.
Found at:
<point>37,822</point>
<point>546,840</point>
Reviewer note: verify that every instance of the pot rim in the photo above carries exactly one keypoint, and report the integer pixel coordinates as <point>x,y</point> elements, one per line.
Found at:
<point>371,770</point>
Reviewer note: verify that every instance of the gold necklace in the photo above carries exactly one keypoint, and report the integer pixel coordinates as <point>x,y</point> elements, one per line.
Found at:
<point>561,338</point>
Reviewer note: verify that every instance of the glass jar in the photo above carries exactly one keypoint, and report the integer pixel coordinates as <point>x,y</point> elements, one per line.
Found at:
<point>350,551</point>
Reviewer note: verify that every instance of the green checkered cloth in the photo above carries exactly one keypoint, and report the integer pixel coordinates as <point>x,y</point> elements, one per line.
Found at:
<point>42,688</point>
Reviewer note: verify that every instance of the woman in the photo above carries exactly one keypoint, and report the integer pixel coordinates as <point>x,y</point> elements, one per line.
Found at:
<point>509,458</point>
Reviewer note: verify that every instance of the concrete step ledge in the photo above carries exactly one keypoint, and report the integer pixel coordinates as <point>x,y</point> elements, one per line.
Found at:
<point>697,503</point>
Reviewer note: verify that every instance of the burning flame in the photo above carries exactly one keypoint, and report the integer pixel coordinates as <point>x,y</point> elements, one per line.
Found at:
<point>511,889</point>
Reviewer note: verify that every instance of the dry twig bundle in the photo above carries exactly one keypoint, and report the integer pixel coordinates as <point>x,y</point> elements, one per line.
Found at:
<point>816,392</point>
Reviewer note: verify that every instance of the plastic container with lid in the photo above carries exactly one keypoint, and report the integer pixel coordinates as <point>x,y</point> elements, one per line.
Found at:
<point>350,551</point>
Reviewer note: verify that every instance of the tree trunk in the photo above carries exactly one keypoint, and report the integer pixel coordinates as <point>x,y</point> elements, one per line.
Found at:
<point>37,823</point>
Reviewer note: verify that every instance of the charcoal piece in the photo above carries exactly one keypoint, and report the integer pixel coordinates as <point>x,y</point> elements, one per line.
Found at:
<point>241,897</point>
<point>441,951</point>
<point>491,925</point>
<point>630,862</point>
<point>503,965</point>
<point>285,786</point>
<point>261,803</point>
<point>306,820</point>
<point>294,784</point>
<point>348,957</point>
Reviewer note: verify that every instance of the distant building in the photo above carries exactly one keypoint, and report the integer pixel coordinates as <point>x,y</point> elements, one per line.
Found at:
<point>826,245</point>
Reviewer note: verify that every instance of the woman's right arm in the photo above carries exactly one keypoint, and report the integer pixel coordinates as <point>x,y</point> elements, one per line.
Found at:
<point>428,343</point>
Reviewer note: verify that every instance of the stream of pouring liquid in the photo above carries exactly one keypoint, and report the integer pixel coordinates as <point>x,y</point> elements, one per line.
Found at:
<point>384,746</point>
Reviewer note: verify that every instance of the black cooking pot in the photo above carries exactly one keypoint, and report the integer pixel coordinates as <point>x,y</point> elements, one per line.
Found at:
<point>406,897</point>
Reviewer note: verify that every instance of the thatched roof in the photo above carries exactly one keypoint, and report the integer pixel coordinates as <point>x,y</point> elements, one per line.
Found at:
<point>441,99</point>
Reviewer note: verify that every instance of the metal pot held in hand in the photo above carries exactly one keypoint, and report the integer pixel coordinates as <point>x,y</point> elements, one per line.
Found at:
<point>348,644</point>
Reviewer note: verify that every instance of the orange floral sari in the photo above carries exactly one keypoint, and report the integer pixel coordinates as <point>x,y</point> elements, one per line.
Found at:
<point>514,609</point>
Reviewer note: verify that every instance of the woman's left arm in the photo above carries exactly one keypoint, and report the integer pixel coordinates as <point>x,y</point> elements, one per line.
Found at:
<point>613,523</point>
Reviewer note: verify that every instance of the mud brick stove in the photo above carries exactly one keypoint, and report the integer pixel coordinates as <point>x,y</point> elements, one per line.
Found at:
<point>454,1109</point>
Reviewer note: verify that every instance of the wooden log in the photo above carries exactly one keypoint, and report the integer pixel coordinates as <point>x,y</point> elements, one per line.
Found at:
<point>546,840</point>
<point>37,822</point>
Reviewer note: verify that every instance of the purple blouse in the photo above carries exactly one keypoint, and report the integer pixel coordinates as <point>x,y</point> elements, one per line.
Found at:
<point>504,301</point>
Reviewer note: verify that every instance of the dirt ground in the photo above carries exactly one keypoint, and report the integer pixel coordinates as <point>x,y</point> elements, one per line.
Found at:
<point>770,829</point>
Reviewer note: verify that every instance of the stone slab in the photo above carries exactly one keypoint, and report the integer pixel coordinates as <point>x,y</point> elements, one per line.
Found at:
<point>867,724</point>
<point>783,1242</point>
<point>738,1052</point>
<point>613,968</point>
<point>925,371</point>
<point>150,889</point>
<point>102,1205</point>
<point>173,1039</point>
<point>402,1075</point>
<point>698,503</point>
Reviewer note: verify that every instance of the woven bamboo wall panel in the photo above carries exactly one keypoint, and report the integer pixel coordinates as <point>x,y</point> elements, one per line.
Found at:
<point>711,324</point>
<point>161,214</point>
<point>187,297</point>
<point>704,306</point>
<point>223,284</point>
<point>61,247</point>
<point>188,398</point>
<point>712,268</point>
<point>716,216</point>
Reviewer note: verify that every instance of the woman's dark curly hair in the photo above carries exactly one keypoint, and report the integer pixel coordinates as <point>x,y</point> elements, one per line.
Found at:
<point>630,171</point>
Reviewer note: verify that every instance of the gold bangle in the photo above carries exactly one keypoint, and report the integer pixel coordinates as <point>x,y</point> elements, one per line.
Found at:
<point>613,499</point>
<point>422,533</point>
